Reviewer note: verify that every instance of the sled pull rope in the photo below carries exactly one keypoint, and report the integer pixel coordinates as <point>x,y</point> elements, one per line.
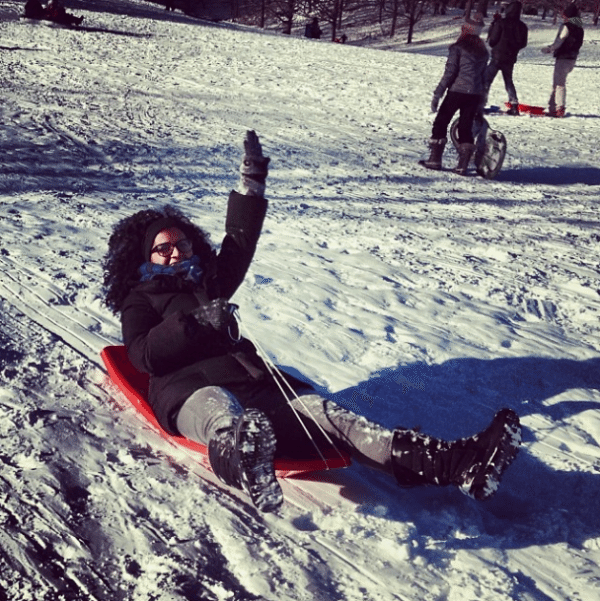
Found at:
<point>279,378</point>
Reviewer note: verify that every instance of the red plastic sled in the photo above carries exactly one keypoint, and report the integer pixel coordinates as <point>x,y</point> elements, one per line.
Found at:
<point>527,108</point>
<point>134,385</point>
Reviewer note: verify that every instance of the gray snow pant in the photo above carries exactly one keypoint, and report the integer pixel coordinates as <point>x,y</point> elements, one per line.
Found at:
<point>558,98</point>
<point>213,408</point>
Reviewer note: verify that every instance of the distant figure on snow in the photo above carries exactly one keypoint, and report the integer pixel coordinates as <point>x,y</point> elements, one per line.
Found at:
<point>57,13</point>
<point>172,289</point>
<point>566,48</point>
<point>464,81</point>
<point>34,9</point>
<point>506,37</point>
<point>312,30</point>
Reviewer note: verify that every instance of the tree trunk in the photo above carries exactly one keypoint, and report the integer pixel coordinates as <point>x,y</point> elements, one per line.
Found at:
<point>263,11</point>
<point>468,8</point>
<point>340,13</point>
<point>411,28</point>
<point>395,11</point>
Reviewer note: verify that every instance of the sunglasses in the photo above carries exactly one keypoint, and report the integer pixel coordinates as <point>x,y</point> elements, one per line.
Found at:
<point>166,248</point>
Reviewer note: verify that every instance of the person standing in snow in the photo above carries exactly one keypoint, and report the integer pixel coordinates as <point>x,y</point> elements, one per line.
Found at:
<point>566,46</point>
<point>463,82</point>
<point>56,12</point>
<point>506,37</point>
<point>312,30</point>
<point>34,9</point>
<point>172,290</point>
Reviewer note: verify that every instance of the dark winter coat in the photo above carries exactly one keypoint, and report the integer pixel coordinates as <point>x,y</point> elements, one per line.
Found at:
<point>34,10</point>
<point>569,49</point>
<point>507,36</point>
<point>164,340</point>
<point>312,30</point>
<point>465,67</point>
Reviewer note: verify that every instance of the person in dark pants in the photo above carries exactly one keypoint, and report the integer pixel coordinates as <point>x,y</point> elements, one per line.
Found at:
<point>506,37</point>
<point>172,290</point>
<point>34,9</point>
<point>312,30</point>
<point>463,79</point>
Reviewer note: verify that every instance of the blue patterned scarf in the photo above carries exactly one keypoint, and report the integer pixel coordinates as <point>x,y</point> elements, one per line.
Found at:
<point>188,270</point>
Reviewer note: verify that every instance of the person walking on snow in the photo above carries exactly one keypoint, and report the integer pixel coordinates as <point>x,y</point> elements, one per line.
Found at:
<point>464,84</point>
<point>506,38</point>
<point>566,46</point>
<point>172,290</point>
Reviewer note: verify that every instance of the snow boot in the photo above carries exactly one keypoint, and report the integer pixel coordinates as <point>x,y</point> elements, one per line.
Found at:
<point>242,457</point>
<point>558,112</point>
<point>436,146</point>
<point>513,110</point>
<point>465,152</point>
<point>475,465</point>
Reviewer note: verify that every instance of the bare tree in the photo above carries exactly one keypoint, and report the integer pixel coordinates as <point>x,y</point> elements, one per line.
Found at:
<point>395,10</point>
<point>331,12</point>
<point>285,11</point>
<point>468,8</point>
<point>255,10</point>
<point>263,13</point>
<point>381,9</point>
<point>413,11</point>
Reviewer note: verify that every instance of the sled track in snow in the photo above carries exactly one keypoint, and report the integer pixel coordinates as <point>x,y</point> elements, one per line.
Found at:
<point>79,512</point>
<point>74,520</point>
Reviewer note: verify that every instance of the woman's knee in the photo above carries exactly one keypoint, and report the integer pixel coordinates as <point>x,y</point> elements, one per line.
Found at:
<point>206,411</point>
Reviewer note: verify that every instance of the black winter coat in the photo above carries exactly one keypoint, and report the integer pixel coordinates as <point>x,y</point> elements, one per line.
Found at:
<point>569,49</point>
<point>507,36</point>
<point>164,340</point>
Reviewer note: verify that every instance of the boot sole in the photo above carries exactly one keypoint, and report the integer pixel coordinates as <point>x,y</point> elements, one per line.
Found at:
<point>256,445</point>
<point>432,166</point>
<point>483,479</point>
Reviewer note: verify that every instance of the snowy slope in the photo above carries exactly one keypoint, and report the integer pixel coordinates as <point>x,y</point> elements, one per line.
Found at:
<point>414,297</point>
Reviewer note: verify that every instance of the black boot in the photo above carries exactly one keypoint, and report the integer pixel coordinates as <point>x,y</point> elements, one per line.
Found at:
<point>242,457</point>
<point>474,464</point>
<point>513,110</point>
<point>436,147</point>
<point>465,152</point>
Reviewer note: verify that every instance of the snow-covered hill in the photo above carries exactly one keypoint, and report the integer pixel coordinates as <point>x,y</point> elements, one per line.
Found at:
<point>415,297</point>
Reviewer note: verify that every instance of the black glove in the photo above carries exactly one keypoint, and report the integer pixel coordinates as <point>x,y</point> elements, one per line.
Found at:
<point>219,314</point>
<point>254,168</point>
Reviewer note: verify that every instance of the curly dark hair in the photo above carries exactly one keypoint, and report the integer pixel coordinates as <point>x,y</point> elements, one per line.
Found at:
<point>125,255</point>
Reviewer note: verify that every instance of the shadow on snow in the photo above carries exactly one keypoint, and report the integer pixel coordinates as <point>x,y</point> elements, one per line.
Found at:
<point>536,504</point>
<point>566,175</point>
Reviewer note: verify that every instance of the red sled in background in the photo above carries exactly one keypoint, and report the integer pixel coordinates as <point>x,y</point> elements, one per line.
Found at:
<point>134,385</point>
<point>536,111</point>
<point>527,108</point>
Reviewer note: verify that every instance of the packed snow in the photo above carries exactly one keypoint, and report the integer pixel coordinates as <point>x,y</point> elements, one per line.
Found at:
<point>414,297</point>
